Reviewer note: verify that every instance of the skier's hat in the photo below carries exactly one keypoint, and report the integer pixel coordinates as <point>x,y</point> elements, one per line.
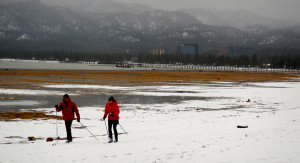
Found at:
<point>66,95</point>
<point>111,98</point>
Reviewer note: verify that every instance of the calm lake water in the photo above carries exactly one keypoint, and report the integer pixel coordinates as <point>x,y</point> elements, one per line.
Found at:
<point>85,98</point>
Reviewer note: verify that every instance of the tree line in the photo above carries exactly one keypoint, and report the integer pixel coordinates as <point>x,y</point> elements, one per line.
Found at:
<point>291,61</point>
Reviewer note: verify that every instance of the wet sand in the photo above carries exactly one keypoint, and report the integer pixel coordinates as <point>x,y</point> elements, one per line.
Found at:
<point>29,78</point>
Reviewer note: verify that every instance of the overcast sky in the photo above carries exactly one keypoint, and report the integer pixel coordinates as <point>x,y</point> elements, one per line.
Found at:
<point>282,9</point>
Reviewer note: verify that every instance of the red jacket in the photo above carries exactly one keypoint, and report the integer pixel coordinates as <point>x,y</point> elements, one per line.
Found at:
<point>112,108</point>
<point>68,110</point>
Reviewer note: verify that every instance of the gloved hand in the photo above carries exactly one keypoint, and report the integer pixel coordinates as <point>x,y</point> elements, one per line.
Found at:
<point>56,106</point>
<point>78,120</point>
<point>112,114</point>
<point>104,117</point>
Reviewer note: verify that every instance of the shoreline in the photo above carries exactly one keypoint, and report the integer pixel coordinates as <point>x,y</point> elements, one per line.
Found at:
<point>20,78</point>
<point>35,79</point>
<point>57,65</point>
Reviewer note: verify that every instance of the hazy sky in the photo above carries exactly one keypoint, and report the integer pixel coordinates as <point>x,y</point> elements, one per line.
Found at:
<point>282,9</point>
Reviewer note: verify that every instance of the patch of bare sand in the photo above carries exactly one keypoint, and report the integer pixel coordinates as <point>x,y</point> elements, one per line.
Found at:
<point>27,78</point>
<point>32,115</point>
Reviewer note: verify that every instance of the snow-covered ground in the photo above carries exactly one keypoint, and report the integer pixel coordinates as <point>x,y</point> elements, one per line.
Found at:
<point>188,131</point>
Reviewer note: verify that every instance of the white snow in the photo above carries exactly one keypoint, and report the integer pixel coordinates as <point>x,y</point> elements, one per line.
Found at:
<point>189,131</point>
<point>19,102</point>
<point>85,86</point>
<point>31,92</point>
<point>24,37</point>
<point>28,61</point>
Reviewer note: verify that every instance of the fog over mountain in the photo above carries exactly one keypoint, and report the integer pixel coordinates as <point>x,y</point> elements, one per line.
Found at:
<point>113,26</point>
<point>277,9</point>
<point>237,18</point>
<point>236,13</point>
<point>99,6</point>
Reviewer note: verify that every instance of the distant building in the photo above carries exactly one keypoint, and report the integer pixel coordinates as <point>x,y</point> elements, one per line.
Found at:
<point>189,49</point>
<point>238,50</point>
<point>214,51</point>
<point>158,51</point>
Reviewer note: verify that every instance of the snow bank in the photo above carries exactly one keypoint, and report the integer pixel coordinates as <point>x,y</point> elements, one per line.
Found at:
<point>85,86</point>
<point>31,92</point>
<point>19,102</point>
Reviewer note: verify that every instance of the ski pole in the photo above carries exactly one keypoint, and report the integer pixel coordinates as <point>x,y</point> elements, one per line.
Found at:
<point>120,125</point>
<point>123,128</point>
<point>106,129</point>
<point>88,130</point>
<point>56,129</point>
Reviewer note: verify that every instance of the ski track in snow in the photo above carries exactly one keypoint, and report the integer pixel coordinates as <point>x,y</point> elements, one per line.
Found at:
<point>190,131</point>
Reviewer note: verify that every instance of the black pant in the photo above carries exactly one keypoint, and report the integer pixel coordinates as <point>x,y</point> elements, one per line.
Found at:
<point>110,124</point>
<point>68,128</point>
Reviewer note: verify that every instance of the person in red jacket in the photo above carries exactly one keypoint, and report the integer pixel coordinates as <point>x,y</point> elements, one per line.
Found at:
<point>68,108</point>
<point>112,109</point>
